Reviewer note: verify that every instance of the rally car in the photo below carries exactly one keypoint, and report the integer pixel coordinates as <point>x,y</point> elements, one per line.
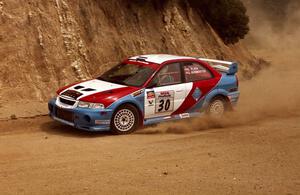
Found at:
<point>148,89</point>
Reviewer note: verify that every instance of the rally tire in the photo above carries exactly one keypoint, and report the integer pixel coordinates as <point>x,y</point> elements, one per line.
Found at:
<point>125,120</point>
<point>217,107</point>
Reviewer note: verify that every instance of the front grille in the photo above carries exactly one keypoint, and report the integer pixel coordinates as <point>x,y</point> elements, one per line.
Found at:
<point>67,102</point>
<point>64,114</point>
<point>71,93</point>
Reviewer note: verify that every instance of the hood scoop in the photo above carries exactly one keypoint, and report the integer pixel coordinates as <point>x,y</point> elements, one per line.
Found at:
<point>88,89</point>
<point>78,87</point>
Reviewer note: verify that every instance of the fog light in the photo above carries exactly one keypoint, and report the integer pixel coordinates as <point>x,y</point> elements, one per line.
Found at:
<point>103,113</point>
<point>87,118</point>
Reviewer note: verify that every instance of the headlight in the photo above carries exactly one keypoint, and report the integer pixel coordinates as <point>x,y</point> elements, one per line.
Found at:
<point>90,105</point>
<point>97,106</point>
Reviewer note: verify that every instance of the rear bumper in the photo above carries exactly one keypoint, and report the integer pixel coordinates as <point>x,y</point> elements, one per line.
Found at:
<point>81,118</point>
<point>234,98</point>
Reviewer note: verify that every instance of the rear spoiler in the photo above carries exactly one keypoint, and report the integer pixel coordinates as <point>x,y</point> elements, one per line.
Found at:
<point>230,68</point>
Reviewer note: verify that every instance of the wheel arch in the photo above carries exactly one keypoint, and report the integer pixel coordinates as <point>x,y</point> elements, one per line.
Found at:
<point>134,104</point>
<point>218,93</point>
<point>224,97</point>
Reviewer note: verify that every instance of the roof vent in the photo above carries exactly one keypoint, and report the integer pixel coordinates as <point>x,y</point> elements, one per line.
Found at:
<point>140,58</point>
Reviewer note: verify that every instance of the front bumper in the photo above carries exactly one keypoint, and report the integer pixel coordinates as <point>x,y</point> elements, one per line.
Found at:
<point>82,118</point>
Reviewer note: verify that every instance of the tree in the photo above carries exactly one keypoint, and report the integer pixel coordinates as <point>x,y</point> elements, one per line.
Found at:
<point>227,17</point>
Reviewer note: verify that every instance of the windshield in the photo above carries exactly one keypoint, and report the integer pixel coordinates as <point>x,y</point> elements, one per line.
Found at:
<point>128,74</point>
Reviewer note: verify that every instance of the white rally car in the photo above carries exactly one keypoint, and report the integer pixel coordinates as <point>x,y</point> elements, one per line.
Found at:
<point>145,90</point>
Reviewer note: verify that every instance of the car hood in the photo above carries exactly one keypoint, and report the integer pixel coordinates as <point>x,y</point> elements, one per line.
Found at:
<point>97,91</point>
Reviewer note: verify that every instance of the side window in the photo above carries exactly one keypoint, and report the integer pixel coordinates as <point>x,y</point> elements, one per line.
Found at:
<point>195,72</point>
<point>169,75</point>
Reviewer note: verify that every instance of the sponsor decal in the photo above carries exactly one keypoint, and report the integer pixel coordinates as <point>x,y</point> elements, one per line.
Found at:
<point>165,94</point>
<point>197,94</point>
<point>192,69</point>
<point>102,122</point>
<point>151,102</point>
<point>137,93</point>
<point>150,95</point>
<point>184,115</point>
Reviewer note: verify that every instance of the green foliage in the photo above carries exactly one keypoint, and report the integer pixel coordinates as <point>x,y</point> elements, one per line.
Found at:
<point>227,17</point>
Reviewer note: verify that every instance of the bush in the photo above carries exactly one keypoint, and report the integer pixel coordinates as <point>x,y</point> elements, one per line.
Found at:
<point>227,17</point>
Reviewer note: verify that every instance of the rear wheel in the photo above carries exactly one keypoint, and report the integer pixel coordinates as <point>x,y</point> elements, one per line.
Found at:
<point>217,107</point>
<point>125,120</point>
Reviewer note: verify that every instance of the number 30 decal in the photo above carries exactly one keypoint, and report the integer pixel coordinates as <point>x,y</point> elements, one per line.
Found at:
<point>164,105</point>
<point>164,101</point>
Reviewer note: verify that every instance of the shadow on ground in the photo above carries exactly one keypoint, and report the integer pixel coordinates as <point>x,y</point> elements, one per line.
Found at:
<point>55,128</point>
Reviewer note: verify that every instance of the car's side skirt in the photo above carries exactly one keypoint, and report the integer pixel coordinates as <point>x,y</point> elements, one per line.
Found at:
<point>157,120</point>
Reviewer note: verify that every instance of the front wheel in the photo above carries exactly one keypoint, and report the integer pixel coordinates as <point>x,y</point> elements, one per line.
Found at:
<point>125,120</point>
<point>217,107</point>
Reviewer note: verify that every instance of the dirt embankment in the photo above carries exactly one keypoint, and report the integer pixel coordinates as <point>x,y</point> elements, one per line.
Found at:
<point>48,44</point>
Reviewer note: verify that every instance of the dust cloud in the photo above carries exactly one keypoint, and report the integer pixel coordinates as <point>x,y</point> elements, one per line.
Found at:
<point>274,92</point>
<point>273,25</point>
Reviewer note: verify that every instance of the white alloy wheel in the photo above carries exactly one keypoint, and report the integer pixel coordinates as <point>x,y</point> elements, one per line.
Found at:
<point>124,120</point>
<point>216,108</point>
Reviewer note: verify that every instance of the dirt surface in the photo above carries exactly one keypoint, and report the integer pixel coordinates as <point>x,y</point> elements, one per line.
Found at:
<point>42,157</point>
<point>255,150</point>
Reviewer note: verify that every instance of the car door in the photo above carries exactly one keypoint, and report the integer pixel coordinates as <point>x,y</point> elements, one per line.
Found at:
<point>202,81</point>
<point>166,92</point>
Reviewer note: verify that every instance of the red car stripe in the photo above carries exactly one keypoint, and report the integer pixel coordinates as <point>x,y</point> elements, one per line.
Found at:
<point>205,87</point>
